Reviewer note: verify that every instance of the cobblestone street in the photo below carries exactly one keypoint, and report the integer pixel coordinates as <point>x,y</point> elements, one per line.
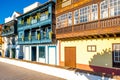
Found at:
<point>11,72</point>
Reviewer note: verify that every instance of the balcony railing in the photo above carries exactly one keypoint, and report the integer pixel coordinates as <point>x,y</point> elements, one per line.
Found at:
<point>64,30</point>
<point>93,25</point>
<point>34,22</point>
<point>27,39</point>
<point>86,26</point>
<point>34,39</point>
<point>110,22</point>
<point>7,32</point>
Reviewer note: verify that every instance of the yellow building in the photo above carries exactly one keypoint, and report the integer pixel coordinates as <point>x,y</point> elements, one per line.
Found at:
<point>88,34</point>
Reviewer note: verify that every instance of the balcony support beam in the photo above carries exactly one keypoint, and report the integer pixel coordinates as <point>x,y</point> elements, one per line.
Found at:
<point>100,36</point>
<point>115,35</point>
<point>107,35</point>
<point>95,36</point>
<point>90,37</point>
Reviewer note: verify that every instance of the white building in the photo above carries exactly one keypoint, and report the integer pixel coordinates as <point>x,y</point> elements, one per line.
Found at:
<point>30,7</point>
<point>10,42</point>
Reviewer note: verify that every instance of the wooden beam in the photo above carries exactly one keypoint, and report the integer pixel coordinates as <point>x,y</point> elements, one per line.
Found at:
<point>114,35</point>
<point>107,35</point>
<point>84,37</point>
<point>95,36</point>
<point>90,37</point>
<point>80,38</point>
<point>100,36</point>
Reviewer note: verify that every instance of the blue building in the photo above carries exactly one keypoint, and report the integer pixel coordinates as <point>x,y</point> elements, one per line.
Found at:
<point>36,32</point>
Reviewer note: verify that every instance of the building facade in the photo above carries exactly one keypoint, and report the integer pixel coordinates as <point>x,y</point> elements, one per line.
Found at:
<point>88,34</point>
<point>9,35</point>
<point>36,32</point>
<point>1,42</point>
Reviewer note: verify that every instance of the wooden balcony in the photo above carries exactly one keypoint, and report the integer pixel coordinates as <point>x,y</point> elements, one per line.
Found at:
<point>93,28</point>
<point>9,28</point>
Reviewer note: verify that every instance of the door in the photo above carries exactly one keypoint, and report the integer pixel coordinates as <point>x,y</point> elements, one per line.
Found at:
<point>52,55</point>
<point>33,53</point>
<point>42,54</point>
<point>70,57</point>
<point>27,53</point>
<point>13,53</point>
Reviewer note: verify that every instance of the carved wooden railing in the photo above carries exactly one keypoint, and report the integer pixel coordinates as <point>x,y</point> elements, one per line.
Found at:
<point>64,30</point>
<point>93,25</point>
<point>86,26</point>
<point>110,22</point>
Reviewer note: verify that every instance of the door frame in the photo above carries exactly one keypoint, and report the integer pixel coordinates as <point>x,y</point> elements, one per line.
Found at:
<point>39,54</point>
<point>55,54</point>
<point>35,53</point>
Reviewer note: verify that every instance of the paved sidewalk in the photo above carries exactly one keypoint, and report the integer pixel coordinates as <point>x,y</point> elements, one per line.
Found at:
<point>58,72</point>
<point>12,72</point>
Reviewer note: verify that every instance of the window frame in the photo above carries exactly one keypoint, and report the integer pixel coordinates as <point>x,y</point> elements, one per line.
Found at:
<point>44,51</point>
<point>94,14</point>
<point>104,10</point>
<point>90,48</point>
<point>76,17</point>
<point>115,63</point>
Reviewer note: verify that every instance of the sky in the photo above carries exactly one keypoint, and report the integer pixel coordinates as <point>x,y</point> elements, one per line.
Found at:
<point>7,7</point>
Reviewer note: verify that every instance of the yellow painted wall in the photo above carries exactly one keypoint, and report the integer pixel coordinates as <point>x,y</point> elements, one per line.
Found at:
<point>102,57</point>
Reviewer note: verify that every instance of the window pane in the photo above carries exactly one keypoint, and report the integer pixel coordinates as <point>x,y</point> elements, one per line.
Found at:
<point>94,13</point>
<point>69,18</point>
<point>76,16</point>
<point>116,53</point>
<point>116,59</point>
<point>42,52</point>
<point>104,9</point>
<point>116,48</point>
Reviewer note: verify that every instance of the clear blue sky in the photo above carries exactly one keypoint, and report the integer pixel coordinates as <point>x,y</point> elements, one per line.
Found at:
<point>7,7</point>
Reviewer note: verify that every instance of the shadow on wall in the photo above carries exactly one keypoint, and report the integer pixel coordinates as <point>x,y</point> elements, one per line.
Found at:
<point>101,62</point>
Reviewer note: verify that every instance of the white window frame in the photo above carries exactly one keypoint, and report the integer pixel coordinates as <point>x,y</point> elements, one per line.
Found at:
<point>103,9</point>
<point>84,14</point>
<point>94,14</point>
<point>116,48</point>
<point>76,17</point>
<point>114,8</point>
<point>69,18</point>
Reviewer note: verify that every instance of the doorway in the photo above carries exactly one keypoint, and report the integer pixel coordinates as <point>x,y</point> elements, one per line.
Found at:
<point>52,55</point>
<point>70,57</point>
<point>13,53</point>
<point>33,53</point>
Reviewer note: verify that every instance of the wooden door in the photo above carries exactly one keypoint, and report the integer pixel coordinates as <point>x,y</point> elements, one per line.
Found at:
<point>70,57</point>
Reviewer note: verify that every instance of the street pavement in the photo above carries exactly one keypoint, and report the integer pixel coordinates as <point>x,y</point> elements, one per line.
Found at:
<point>12,72</point>
<point>12,69</point>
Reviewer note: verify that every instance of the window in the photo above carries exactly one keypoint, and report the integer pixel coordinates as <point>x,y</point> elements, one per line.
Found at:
<point>64,20</point>
<point>91,48</point>
<point>85,14</point>
<point>44,16</point>
<point>114,7</point>
<point>116,48</point>
<point>69,18</point>
<point>104,9</point>
<point>76,16</point>
<point>58,21</point>
<point>94,12</point>
<point>41,52</point>
<point>116,55</point>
